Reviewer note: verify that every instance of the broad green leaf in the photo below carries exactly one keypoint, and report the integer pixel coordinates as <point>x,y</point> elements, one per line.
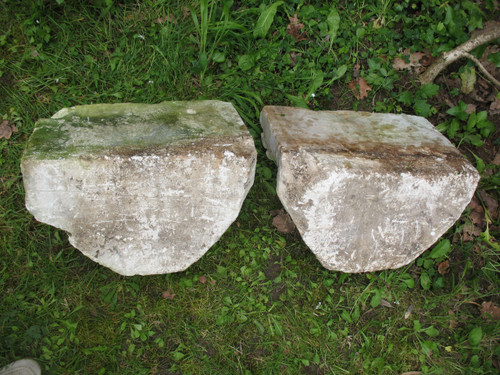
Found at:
<point>442,249</point>
<point>459,111</point>
<point>297,101</point>
<point>473,139</point>
<point>471,122</point>
<point>475,336</point>
<point>333,21</point>
<point>425,281</point>
<point>482,116</point>
<point>376,299</point>
<point>431,331</point>
<point>259,326</point>
<point>468,78</point>
<point>345,315</point>
<point>246,62</point>
<point>265,20</point>
<point>495,59</point>
<point>316,82</point>
<point>178,356</point>
<point>453,128</point>
<point>339,73</point>
<point>480,165</point>
<point>218,57</point>
<point>428,347</point>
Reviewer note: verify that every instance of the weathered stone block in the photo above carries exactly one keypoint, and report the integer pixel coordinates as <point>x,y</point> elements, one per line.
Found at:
<point>367,191</point>
<point>140,188</point>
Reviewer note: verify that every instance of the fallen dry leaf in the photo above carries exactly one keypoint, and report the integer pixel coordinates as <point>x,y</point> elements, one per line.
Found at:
<point>360,88</point>
<point>169,18</point>
<point>293,57</point>
<point>168,295</point>
<point>385,303</point>
<point>416,60</point>
<point>5,130</point>
<point>453,319</point>
<point>294,29</point>
<point>495,107</point>
<point>202,279</point>
<point>470,108</point>
<point>409,310</point>
<point>490,311</point>
<point>444,267</point>
<point>496,159</point>
<point>283,222</point>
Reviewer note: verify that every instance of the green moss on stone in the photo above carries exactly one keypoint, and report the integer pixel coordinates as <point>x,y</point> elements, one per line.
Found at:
<point>94,128</point>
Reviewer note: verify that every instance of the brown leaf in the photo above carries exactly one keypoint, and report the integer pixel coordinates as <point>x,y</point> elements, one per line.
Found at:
<point>416,60</point>
<point>491,204</point>
<point>409,310</point>
<point>412,373</point>
<point>495,107</point>
<point>477,217</point>
<point>360,88</point>
<point>168,295</point>
<point>453,320</point>
<point>468,232</point>
<point>283,222</point>
<point>169,18</point>
<point>496,159</point>
<point>293,57</point>
<point>5,130</point>
<point>475,205</point>
<point>490,311</point>
<point>202,279</point>
<point>294,28</point>
<point>470,108</point>
<point>385,303</point>
<point>444,267</point>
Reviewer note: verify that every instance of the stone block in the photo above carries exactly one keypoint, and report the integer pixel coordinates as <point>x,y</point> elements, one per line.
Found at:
<point>367,191</point>
<point>140,188</point>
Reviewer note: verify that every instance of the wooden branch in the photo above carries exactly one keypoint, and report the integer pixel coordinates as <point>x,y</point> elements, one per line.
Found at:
<point>486,35</point>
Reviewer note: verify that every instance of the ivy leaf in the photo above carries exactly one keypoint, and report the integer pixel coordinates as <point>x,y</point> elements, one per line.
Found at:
<point>265,20</point>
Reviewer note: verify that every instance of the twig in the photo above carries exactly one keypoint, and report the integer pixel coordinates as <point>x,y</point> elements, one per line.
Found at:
<point>488,34</point>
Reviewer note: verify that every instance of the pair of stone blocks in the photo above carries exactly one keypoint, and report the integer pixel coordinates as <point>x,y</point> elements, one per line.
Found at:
<point>148,189</point>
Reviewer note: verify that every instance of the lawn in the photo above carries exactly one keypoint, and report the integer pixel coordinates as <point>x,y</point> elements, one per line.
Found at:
<point>258,302</point>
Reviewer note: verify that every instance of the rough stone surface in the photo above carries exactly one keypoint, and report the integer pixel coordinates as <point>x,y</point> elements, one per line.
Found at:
<point>140,188</point>
<point>366,191</point>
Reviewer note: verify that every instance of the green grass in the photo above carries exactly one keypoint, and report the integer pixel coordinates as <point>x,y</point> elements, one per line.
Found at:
<point>258,302</point>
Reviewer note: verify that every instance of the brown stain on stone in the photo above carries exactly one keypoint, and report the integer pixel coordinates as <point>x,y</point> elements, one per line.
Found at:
<point>372,145</point>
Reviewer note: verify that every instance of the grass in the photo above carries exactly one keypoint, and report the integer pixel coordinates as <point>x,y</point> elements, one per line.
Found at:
<point>258,302</point>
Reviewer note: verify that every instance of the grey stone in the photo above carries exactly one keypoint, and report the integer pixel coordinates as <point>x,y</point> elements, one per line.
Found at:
<point>140,188</point>
<point>366,191</point>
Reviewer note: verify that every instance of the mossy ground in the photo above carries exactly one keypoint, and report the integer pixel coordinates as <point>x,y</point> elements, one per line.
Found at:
<point>258,302</point>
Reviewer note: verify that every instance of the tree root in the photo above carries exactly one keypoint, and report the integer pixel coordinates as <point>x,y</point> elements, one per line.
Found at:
<point>489,33</point>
